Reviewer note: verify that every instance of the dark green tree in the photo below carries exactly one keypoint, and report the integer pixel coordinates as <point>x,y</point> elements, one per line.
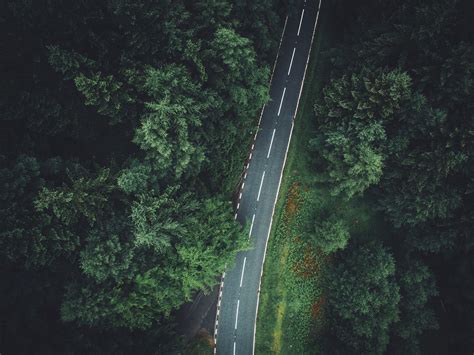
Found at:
<point>123,130</point>
<point>105,93</point>
<point>178,245</point>
<point>363,298</point>
<point>352,116</point>
<point>417,287</point>
<point>425,188</point>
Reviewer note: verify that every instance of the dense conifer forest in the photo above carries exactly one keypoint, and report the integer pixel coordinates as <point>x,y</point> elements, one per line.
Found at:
<point>395,129</point>
<point>124,127</point>
<point>123,131</point>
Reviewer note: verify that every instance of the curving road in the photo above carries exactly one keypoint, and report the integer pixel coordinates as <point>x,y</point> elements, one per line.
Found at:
<point>240,288</point>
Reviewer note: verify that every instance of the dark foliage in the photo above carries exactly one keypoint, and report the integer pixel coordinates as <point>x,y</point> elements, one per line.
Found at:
<point>396,123</point>
<point>123,129</point>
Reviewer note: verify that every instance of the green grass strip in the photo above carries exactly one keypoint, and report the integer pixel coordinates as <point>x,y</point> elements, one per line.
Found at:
<point>285,303</point>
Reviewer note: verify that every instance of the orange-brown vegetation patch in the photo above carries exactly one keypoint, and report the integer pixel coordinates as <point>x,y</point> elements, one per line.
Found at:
<point>204,336</point>
<point>309,266</point>
<point>317,307</point>
<point>292,201</point>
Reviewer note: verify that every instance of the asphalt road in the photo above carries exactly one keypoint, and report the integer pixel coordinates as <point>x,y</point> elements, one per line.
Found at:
<point>238,301</point>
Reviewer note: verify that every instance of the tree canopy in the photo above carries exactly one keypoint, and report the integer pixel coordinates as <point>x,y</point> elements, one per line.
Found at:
<point>395,127</point>
<point>364,298</point>
<point>123,133</point>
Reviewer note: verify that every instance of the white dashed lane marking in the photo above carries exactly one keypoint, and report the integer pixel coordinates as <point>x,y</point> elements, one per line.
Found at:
<point>237,314</point>
<point>260,189</point>
<point>271,142</point>
<point>243,270</point>
<point>301,20</point>
<point>251,225</point>
<point>291,61</point>
<point>281,101</point>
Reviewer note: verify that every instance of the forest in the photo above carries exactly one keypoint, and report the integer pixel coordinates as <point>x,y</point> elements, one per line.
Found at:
<point>124,127</point>
<point>372,250</point>
<point>395,131</point>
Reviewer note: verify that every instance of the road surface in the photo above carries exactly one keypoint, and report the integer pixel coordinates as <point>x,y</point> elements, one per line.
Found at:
<point>238,299</point>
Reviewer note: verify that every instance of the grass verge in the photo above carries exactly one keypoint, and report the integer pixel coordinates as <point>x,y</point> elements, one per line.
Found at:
<point>291,297</point>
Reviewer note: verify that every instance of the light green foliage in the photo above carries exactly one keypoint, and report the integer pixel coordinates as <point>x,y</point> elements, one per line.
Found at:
<point>363,298</point>
<point>353,169</point>
<point>170,129</point>
<point>232,46</point>
<point>176,242</point>
<point>134,179</point>
<point>155,221</point>
<point>330,234</point>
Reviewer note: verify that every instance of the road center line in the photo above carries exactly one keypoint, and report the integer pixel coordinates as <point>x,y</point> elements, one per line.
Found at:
<point>301,20</point>
<point>281,101</point>
<point>260,189</point>
<point>271,142</point>
<point>251,225</point>
<point>243,270</point>
<point>234,347</point>
<point>237,314</point>
<point>291,61</point>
